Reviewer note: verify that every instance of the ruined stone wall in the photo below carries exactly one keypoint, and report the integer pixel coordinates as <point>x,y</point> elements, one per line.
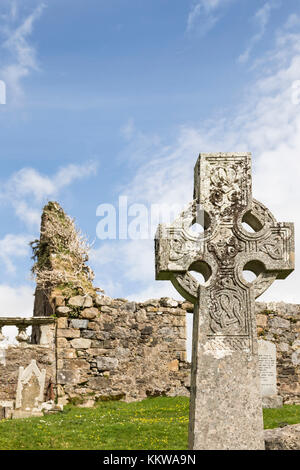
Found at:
<point>115,349</point>
<point>102,348</point>
<point>280,323</point>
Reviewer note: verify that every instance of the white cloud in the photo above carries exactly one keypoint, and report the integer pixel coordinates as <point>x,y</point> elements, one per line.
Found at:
<point>267,123</point>
<point>292,21</point>
<point>16,301</point>
<point>13,246</point>
<point>27,189</point>
<point>21,59</point>
<point>261,19</point>
<point>204,14</point>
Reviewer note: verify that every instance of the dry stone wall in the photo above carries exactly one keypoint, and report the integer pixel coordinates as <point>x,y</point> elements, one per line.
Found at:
<point>116,349</point>
<point>99,348</point>
<point>280,323</point>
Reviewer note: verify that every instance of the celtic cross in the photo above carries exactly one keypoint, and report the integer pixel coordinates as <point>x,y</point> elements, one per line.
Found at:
<point>239,234</point>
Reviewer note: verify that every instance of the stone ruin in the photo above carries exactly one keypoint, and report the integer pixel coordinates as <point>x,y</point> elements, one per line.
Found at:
<point>91,347</point>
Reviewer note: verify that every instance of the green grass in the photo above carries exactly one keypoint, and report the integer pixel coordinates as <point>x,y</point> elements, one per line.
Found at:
<point>152,424</point>
<point>278,417</point>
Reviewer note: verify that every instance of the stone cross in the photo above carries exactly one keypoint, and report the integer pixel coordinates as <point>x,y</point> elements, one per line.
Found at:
<point>239,234</point>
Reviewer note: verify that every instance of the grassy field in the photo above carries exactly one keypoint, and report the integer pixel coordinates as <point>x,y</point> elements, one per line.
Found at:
<point>153,424</point>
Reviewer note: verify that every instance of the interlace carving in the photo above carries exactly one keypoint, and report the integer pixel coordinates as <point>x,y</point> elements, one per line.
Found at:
<point>223,190</point>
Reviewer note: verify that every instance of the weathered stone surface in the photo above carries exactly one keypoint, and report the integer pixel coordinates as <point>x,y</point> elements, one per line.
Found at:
<point>261,320</point>
<point>173,365</point>
<point>78,323</point>
<point>68,333</point>
<point>66,353</point>
<point>98,383</point>
<point>286,438</point>
<point>62,322</point>
<point>89,313</point>
<point>272,401</point>
<point>63,311</point>
<point>88,301</point>
<point>107,363</point>
<point>30,390</point>
<point>103,300</point>
<point>62,343</point>
<point>278,322</point>
<point>65,376</point>
<point>225,407</point>
<point>77,301</point>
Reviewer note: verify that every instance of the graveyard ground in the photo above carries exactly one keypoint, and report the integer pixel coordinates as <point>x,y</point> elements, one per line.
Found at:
<point>155,423</point>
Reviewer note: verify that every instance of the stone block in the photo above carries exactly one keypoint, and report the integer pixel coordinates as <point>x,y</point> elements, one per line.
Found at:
<point>79,323</point>
<point>105,309</point>
<point>166,331</point>
<point>63,311</point>
<point>261,320</point>
<point>62,343</point>
<point>98,383</point>
<point>107,363</point>
<point>96,352</point>
<point>66,376</point>
<point>90,334</point>
<point>74,364</point>
<point>286,438</point>
<point>103,300</point>
<point>62,322</point>
<point>167,302</point>
<point>88,302</point>
<point>66,353</point>
<point>173,365</point>
<point>272,402</point>
<point>81,343</point>
<point>89,313</point>
<point>59,301</point>
<point>278,322</point>
<point>77,301</point>
<point>68,333</point>
<point>97,344</point>
<point>93,326</point>
<point>188,306</point>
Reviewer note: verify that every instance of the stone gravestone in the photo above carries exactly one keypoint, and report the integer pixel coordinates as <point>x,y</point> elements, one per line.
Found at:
<point>268,375</point>
<point>225,403</point>
<point>30,391</point>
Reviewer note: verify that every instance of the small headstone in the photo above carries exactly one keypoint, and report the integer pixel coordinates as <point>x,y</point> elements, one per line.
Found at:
<point>30,391</point>
<point>268,376</point>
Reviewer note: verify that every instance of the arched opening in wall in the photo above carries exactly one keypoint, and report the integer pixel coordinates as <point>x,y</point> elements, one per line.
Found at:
<point>10,333</point>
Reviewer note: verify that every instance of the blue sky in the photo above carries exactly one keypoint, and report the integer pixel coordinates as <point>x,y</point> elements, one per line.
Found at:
<point>118,98</point>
